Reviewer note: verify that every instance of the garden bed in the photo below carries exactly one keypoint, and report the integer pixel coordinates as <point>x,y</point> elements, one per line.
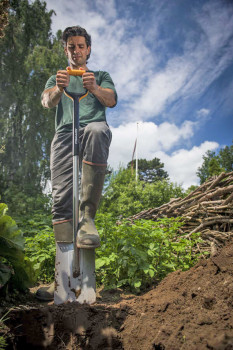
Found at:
<point>188,310</point>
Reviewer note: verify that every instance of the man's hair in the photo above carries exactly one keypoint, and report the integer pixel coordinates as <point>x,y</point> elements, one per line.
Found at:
<point>76,31</point>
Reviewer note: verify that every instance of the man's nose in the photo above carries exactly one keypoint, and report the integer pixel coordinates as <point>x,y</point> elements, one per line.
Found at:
<point>76,49</point>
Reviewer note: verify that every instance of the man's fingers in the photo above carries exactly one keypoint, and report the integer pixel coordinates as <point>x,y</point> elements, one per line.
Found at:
<point>88,76</point>
<point>62,78</point>
<point>88,79</point>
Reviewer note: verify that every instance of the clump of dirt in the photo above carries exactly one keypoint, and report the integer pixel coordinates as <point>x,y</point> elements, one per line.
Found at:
<point>191,310</point>
<point>188,310</point>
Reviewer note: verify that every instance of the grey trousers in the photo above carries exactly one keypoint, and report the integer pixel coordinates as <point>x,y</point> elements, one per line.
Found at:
<point>94,141</point>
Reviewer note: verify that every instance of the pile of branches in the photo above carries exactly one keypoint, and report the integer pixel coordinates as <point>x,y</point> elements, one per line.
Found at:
<point>208,210</point>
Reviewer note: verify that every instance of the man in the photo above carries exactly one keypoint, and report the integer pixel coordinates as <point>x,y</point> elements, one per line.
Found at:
<point>94,139</point>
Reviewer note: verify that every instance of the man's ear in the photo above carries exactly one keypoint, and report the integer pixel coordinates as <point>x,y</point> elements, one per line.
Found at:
<point>89,50</point>
<point>65,50</point>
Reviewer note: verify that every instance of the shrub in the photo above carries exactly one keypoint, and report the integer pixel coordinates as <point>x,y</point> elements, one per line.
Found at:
<point>40,248</point>
<point>13,265</point>
<point>142,253</point>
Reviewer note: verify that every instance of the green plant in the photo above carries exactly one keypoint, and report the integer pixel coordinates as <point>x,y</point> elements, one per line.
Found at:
<point>214,164</point>
<point>142,253</point>
<point>13,266</point>
<point>126,197</point>
<point>40,248</point>
<point>3,342</point>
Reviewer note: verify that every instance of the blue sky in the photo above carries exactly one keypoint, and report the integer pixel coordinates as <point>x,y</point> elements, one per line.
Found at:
<point>172,64</point>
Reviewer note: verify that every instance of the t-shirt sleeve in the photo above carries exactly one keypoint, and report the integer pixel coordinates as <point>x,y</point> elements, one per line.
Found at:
<point>51,82</point>
<point>107,83</point>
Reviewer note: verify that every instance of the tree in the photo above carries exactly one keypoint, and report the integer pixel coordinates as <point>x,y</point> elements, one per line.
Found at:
<point>214,167</point>
<point>215,164</point>
<point>29,54</point>
<point>124,196</point>
<point>203,171</point>
<point>150,170</point>
<point>226,158</point>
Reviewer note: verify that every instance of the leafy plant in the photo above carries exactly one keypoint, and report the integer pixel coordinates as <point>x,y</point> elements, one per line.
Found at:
<point>139,254</point>
<point>11,253</point>
<point>125,197</point>
<point>40,246</point>
<point>31,253</point>
<point>3,342</point>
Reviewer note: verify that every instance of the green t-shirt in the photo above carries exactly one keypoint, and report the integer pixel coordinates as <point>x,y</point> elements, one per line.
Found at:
<point>90,109</point>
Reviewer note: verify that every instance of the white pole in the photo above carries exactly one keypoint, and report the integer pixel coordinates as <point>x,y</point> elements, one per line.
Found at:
<point>137,155</point>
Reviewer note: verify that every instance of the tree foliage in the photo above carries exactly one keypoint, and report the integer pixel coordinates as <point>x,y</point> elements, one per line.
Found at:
<point>214,164</point>
<point>149,170</point>
<point>29,54</point>
<point>226,158</point>
<point>4,5</point>
<point>125,197</point>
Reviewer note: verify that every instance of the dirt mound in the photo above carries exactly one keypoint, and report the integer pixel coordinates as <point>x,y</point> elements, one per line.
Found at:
<point>190,310</point>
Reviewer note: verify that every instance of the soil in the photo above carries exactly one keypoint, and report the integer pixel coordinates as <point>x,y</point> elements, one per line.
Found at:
<point>191,310</point>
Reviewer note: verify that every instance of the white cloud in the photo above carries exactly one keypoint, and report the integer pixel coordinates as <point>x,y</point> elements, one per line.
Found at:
<point>151,138</point>
<point>203,115</point>
<point>161,88</point>
<point>124,60</point>
<point>190,74</point>
<point>184,76</point>
<point>203,112</point>
<point>114,48</point>
<point>155,141</point>
<point>215,21</point>
<point>182,165</point>
<point>119,47</point>
<point>107,7</point>
<point>149,82</point>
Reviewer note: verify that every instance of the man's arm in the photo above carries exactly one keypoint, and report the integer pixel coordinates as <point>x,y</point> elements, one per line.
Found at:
<point>105,96</point>
<point>52,96</point>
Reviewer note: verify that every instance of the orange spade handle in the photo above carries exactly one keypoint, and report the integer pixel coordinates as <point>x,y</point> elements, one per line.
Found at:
<point>75,72</point>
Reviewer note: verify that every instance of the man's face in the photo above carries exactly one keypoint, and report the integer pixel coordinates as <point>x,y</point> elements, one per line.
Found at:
<point>76,50</point>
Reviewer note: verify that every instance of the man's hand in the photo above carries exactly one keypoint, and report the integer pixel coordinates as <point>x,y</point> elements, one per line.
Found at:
<point>105,96</point>
<point>89,82</point>
<point>52,96</point>
<point>62,79</point>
